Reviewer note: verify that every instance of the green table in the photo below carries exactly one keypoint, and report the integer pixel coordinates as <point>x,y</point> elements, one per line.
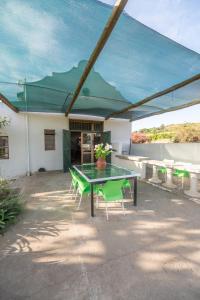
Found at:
<point>111,172</point>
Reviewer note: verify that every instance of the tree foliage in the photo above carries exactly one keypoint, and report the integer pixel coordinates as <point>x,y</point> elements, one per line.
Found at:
<point>175,133</point>
<point>3,121</point>
<point>139,138</point>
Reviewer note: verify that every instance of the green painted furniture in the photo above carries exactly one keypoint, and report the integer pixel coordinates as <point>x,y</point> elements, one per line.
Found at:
<point>83,188</point>
<point>95,176</point>
<point>74,181</point>
<point>111,191</point>
<point>127,185</point>
<point>163,171</point>
<point>181,174</point>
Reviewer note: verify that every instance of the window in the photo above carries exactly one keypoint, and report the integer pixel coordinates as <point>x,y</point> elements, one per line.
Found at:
<point>49,139</point>
<point>83,125</point>
<point>4,151</point>
<point>98,126</point>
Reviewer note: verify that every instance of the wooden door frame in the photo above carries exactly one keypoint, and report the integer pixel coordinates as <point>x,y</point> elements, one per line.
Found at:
<point>92,142</point>
<point>92,133</point>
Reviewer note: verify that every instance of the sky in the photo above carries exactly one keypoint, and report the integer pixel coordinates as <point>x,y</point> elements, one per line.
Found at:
<point>180,21</point>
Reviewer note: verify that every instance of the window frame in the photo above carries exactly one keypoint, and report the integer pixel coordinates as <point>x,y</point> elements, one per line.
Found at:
<point>77,125</point>
<point>52,133</point>
<point>6,147</point>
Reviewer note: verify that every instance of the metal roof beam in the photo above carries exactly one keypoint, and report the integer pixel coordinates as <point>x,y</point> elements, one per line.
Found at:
<point>8,103</point>
<point>156,95</point>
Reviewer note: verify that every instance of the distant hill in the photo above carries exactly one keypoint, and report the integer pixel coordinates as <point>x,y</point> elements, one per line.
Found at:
<point>174,133</point>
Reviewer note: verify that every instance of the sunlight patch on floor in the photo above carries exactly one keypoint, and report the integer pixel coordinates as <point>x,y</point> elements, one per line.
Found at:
<point>153,261</point>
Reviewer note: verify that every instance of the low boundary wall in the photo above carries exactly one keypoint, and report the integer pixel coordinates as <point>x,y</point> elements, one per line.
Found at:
<point>186,152</point>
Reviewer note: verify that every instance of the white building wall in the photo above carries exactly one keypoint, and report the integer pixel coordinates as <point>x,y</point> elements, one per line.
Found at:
<point>17,164</point>
<point>16,132</point>
<point>120,130</point>
<point>52,159</point>
<point>120,136</point>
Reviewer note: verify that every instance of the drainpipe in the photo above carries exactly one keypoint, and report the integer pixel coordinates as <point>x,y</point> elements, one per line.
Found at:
<point>27,131</point>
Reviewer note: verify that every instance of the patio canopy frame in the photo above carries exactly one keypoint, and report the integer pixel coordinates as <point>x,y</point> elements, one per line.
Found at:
<point>159,94</point>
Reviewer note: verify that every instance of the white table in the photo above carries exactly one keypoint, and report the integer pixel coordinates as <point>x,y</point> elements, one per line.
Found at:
<point>169,169</point>
<point>155,164</point>
<point>169,178</point>
<point>194,171</point>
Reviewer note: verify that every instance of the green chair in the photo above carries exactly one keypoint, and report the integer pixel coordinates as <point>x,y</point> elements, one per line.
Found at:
<point>163,171</point>
<point>74,181</point>
<point>111,191</point>
<point>127,184</point>
<point>83,188</point>
<point>181,174</point>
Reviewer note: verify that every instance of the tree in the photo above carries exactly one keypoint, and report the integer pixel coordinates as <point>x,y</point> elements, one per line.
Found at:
<point>139,138</point>
<point>3,122</point>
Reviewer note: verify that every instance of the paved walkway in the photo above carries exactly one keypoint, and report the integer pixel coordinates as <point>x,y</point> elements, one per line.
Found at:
<point>56,252</point>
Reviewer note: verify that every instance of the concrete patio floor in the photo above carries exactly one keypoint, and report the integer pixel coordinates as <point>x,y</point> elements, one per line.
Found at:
<point>56,252</point>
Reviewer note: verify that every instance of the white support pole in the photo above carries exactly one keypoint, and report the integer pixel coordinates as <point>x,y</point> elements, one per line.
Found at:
<point>155,178</point>
<point>143,168</point>
<point>193,191</point>
<point>27,131</point>
<point>169,179</point>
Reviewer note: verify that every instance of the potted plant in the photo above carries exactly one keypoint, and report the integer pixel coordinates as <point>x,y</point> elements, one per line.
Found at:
<point>101,152</point>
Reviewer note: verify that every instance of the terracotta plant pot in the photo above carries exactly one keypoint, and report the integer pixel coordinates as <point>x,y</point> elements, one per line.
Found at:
<point>101,163</point>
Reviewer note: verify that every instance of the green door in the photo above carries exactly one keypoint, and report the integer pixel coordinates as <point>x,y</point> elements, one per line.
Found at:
<point>106,138</point>
<point>66,150</point>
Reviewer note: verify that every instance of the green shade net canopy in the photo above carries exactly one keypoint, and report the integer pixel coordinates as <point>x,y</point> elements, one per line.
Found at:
<point>54,93</point>
<point>51,45</point>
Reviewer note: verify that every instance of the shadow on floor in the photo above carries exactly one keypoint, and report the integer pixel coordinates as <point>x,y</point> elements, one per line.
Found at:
<point>57,252</point>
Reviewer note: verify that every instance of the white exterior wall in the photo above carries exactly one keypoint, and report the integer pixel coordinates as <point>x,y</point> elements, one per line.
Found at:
<point>120,130</point>
<point>51,159</point>
<point>17,164</point>
<point>16,132</point>
<point>120,136</point>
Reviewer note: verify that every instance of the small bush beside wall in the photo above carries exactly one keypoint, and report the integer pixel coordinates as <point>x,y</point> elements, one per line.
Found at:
<point>10,205</point>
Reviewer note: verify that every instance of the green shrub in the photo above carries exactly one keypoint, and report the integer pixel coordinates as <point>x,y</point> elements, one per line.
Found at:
<point>160,136</point>
<point>177,133</point>
<point>4,189</point>
<point>187,135</point>
<point>3,122</point>
<point>139,138</point>
<point>3,183</point>
<point>10,205</point>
